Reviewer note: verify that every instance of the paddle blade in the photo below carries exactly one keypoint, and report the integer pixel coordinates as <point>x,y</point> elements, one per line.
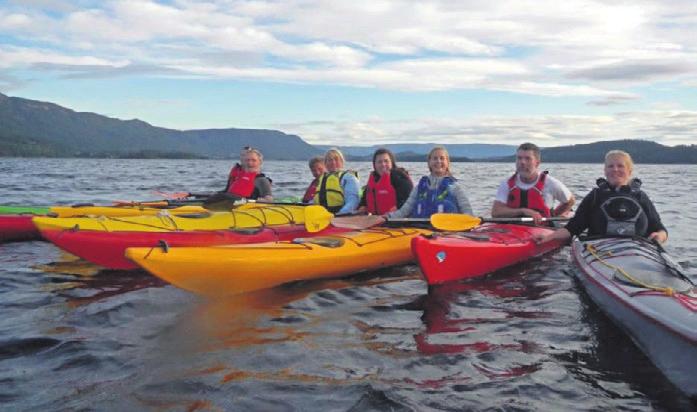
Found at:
<point>357,222</point>
<point>172,196</point>
<point>317,218</point>
<point>454,222</point>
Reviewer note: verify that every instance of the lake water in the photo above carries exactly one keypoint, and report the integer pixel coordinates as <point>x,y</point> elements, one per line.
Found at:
<point>73,337</point>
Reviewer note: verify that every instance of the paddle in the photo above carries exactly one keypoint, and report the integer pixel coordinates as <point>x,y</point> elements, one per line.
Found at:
<point>673,265</point>
<point>172,196</point>
<point>458,222</point>
<point>318,218</point>
<point>152,203</point>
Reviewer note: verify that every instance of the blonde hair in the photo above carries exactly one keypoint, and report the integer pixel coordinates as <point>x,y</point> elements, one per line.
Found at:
<point>447,156</point>
<point>248,149</point>
<point>620,153</point>
<point>336,152</point>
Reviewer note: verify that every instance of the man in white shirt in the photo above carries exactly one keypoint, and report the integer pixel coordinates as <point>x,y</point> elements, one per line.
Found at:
<point>530,192</point>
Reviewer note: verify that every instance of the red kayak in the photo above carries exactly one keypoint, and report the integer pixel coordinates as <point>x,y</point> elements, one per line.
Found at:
<point>462,255</point>
<point>107,248</point>
<point>17,227</point>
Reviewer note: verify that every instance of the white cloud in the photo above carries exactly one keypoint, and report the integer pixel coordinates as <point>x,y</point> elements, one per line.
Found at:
<point>582,48</point>
<point>22,57</point>
<point>667,127</point>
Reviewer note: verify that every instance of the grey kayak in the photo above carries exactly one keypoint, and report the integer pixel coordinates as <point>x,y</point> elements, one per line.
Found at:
<point>647,294</point>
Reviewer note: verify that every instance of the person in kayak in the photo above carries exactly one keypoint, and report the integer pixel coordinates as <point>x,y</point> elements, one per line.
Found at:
<point>617,207</point>
<point>317,168</point>
<point>531,192</point>
<point>337,189</point>
<point>436,193</point>
<point>388,186</point>
<point>246,179</point>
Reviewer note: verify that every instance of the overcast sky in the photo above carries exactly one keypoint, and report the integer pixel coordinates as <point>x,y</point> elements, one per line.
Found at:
<point>364,72</point>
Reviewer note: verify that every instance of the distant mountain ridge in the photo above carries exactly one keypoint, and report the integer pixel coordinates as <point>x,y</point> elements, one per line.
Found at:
<point>35,128</point>
<point>461,150</point>
<point>642,151</point>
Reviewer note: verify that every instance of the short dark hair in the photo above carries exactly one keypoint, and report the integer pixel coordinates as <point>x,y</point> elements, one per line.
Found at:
<point>315,160</point>
<point>527,146</point>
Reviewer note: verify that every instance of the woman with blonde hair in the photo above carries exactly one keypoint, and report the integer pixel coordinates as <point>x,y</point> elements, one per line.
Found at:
<point>436,193</point>
<point>337,189</point>
<point>617,207</point>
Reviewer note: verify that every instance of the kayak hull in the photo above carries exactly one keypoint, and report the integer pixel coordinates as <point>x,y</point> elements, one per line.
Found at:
<point>107,249</point>
<point>167,222</point>
<point>120,211</point>
<point>663,326</point>
<point>485,249</point>
<point>23,210</point>
<point>17,227</point>
<point>229,270</point>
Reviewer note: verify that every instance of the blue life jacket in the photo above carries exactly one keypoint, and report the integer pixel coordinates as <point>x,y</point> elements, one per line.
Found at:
<point>438,200</point>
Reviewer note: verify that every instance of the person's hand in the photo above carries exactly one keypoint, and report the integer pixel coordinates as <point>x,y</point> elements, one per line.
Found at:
<point>661,236</point>
<point>534,214</point>
<point>540,238</point>
<point>559,234</point>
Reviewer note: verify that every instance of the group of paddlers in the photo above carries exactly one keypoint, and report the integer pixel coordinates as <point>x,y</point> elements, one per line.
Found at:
<point>617,206</point>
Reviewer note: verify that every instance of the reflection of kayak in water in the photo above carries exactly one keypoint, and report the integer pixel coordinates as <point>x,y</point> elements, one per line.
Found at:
<point>445,257</point>
<point>229,270</point>
<point>646,294</point>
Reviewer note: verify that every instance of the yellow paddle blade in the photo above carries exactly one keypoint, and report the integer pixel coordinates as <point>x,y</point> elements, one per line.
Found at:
<point>454,222</point>
<point>317,218</point>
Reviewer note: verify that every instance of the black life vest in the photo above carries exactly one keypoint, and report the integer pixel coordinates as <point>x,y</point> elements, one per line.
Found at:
<point>618,212</point>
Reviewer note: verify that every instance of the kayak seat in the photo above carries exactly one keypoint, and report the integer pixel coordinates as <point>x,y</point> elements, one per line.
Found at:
<point>247,230</point>
<point>195,215</point>
<point>331,242</point>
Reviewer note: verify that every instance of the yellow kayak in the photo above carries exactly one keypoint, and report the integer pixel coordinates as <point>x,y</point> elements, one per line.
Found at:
<point>165,221</point>
<point>233,269</point>
<point>84,211</point>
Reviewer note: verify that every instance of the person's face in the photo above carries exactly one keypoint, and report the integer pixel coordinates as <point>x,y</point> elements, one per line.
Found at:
<point>333,163</point>
<point>318,169</point>
<point>438,163</point>
<point>251,162</point>
<point>383,164</point>
<point>526,164</point>
<point>617,172</point>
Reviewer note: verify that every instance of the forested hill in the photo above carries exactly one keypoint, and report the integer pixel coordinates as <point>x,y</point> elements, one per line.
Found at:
<point>34,128</point>
<point>642,151</point>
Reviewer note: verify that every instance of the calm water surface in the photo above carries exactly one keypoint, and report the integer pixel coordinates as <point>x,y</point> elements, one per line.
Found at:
<point>74,337</point>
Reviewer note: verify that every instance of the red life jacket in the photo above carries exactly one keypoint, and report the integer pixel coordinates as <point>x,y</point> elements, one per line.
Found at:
<point>380,196</point>
<point>531,198</point>
<point>310,192</point>
<point>241,183</point>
